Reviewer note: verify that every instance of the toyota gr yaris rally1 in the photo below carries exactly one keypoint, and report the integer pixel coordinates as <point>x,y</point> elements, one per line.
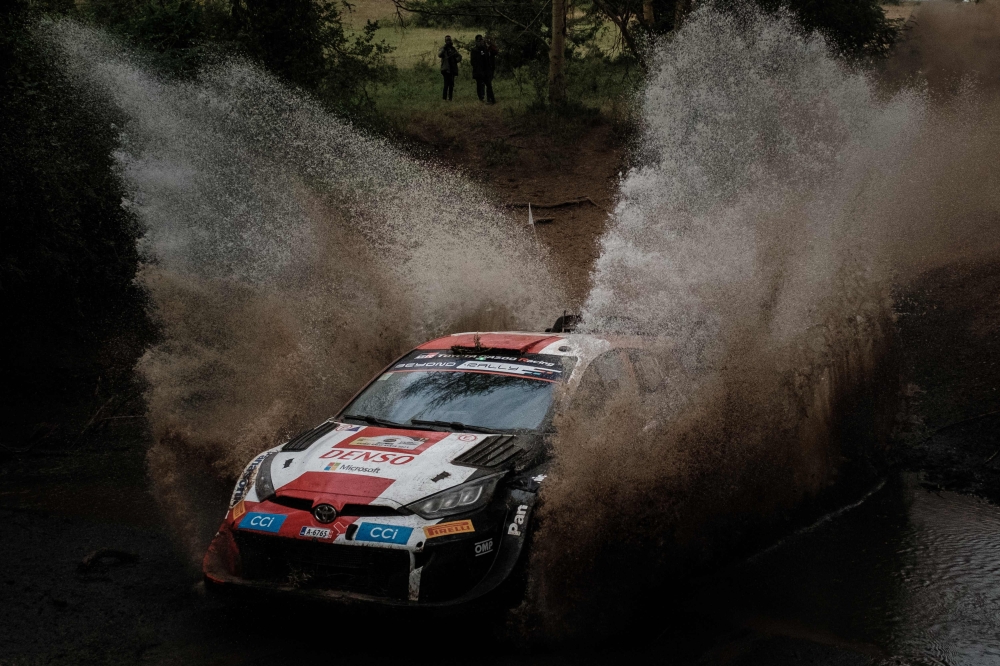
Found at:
<point>421,490</point>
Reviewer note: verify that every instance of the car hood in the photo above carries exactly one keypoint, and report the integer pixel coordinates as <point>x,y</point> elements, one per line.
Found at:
<point>392,467</point>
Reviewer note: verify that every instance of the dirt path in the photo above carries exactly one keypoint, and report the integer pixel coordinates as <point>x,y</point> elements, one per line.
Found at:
<point>542,160</point>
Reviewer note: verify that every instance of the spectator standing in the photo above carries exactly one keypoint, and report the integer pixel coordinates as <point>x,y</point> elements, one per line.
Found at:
<point>484,58</point>
<point>450,57</point>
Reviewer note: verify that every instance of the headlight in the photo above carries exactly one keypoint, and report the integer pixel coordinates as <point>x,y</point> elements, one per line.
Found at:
<point>264,486</point>
<point>468,496</point>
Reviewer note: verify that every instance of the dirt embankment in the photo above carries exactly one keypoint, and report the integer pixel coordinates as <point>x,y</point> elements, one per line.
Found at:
<point>572,162</point>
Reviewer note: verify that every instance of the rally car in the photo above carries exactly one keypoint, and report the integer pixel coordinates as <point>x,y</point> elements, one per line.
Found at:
<point>421,491</point>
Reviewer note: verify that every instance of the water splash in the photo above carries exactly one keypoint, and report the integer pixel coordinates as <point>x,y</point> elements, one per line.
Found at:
<point>754,249</point>
<point>289,258</point>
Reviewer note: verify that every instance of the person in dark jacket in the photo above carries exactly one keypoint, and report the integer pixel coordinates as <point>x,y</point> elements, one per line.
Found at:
<point>450,57</point>
<point>484,58</point>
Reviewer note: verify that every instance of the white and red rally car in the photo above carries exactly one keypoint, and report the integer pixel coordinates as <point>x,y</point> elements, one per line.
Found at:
<point>421,490</point>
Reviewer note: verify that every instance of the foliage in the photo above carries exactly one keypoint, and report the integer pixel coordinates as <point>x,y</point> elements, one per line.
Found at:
<point>521,28</point>
<point>305,42</point>
<point>178,33</point>
<point>858,28</point>
<point>302,41</point>
<point>68,253</point>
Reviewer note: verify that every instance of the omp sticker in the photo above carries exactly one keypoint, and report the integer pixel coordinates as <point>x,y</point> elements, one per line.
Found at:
<point>509,369</point>
<point>383,533</point>
<point>445,529</point>
<point>262,522</point>
<point>239,509</point>
<point>390,442</point>
<point>315,532</point>
<point>484,547</point>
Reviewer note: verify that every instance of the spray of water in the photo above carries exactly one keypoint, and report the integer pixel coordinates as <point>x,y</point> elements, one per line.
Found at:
<point>778,197</point>
<point>289,258</point>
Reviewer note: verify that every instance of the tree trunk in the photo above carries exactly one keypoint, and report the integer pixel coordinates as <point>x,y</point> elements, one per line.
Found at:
<point>557,54</point>
<point>647,13</point>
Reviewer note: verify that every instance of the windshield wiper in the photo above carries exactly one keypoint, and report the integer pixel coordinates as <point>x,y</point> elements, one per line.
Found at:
<point>457,425</point>
<point>374,420</point>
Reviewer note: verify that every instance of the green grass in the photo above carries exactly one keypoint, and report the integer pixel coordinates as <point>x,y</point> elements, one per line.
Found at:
<point>594,85</point>
<point>420,46</point>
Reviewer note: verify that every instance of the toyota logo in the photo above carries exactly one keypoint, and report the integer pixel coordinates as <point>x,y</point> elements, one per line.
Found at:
<point>324,513</point>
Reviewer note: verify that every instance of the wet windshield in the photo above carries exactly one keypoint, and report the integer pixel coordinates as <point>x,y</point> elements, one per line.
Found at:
<point>481,391</point>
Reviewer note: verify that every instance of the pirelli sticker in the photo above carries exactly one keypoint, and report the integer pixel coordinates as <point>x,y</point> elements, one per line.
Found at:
<point>447,529</point>
<point>239,509</point>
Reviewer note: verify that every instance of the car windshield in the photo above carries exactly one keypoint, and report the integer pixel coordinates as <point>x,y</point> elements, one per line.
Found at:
<point>480,391</point>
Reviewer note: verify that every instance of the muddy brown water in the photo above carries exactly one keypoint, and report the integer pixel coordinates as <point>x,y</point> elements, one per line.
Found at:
<point>906,576</point>
<point>909,573</point>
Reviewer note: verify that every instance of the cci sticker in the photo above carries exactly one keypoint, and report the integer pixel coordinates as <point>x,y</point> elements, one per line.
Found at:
<point>445,529</point>
<point>315,532</point>
<point>262,522</point>
<point>383,533</point>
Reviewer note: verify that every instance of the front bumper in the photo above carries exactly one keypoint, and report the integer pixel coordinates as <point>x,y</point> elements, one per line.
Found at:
<point>446,571</point>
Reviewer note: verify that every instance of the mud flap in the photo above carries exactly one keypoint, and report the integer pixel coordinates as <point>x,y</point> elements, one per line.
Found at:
<point>415,571</point>
<point>519,507</point>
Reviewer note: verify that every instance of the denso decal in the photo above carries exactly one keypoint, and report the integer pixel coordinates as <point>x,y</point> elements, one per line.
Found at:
<point>383,533</point>
<point>368,456</point>
<point>315,532</point>
<point>516,527</point>
<point>246,480</point>
<point>390,442</point>
<point>446,529</point>
<point>262,522</point>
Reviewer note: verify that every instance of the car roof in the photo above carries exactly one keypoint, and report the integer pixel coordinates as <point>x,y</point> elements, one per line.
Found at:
<point>581,345</point>
<point>521,343</point>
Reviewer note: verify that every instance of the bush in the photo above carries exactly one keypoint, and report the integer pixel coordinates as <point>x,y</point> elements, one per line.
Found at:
<point>68,256</point>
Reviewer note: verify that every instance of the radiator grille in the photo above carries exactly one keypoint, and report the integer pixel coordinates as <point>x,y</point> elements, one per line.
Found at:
<point>369,570</point>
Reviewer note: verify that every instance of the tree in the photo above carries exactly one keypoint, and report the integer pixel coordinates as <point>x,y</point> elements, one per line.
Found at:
<point>557,54</point>
<point>68,254</point>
